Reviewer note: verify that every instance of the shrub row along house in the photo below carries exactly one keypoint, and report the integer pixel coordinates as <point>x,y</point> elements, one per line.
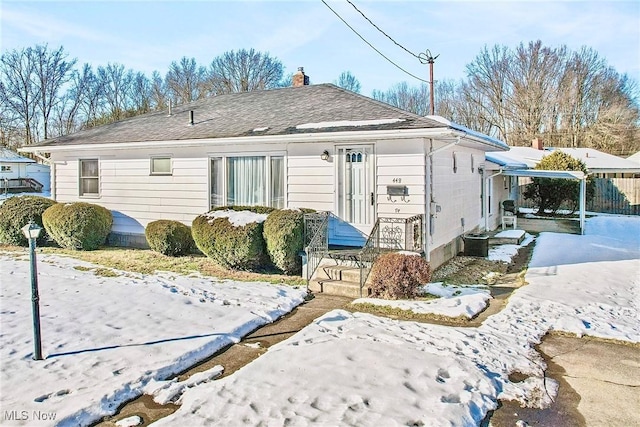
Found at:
<point>307,146</point>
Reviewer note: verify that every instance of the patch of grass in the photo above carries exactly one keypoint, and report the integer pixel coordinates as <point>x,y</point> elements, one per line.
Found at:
<point>398,313</point>
<point>82,268</point>
<point>468,271</point>
<point>148,262</point>
<point>105,272</point>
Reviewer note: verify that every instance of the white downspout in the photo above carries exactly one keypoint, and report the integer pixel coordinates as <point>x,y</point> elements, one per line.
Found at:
<point>427,200</point>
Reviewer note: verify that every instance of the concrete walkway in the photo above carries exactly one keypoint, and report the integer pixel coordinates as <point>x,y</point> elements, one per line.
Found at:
<point>599,386</point>
<point>599,381</point>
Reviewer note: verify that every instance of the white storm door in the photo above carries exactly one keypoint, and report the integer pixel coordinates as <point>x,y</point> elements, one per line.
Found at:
<point>355,186</point>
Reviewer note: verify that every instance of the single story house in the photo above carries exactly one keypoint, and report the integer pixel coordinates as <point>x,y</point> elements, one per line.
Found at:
<point>311,146</point>
<point>22,173</point>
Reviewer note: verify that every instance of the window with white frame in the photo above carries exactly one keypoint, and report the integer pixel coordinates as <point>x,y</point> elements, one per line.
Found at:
<point>161,165</point>
<point>89,177</point>
<point>5,168</point>
<point>247,181</point>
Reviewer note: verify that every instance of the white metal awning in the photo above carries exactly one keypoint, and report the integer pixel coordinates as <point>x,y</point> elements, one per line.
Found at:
<point>578,175</point>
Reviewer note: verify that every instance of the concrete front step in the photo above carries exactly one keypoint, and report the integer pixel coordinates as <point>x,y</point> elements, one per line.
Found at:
<point>338,287</point>
<point>347,273</point>
<point>507,237</point>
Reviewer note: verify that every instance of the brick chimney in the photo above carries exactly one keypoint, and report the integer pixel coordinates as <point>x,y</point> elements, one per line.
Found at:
<point>537,144</point>
<point>300,78</point>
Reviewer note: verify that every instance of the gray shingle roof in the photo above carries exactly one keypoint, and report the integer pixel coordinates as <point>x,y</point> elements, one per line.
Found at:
<point>240,114</point>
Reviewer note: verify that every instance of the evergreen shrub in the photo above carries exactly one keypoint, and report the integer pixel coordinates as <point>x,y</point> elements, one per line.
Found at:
<point>16,212</point>
<point>78,225</point>
<point>284,237</point>
<point>234,247</point>
<point>168,237</point>
<point>399,276</point>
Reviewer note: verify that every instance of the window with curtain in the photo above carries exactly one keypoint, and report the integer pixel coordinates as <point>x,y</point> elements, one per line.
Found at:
<point>89,178</point>
<point>247,181</point>
<point>277,182</point>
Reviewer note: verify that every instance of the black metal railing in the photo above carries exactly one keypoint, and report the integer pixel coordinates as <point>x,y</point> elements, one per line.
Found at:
<point>316,238</point>
<point>389,234</point>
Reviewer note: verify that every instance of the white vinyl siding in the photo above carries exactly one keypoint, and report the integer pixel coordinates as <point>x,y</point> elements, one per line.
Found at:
<point>400,168</point>
<point>457,194</point>
<point>311,180</point>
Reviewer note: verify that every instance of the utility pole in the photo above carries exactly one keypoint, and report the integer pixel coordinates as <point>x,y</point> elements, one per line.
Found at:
<point>427,58</point>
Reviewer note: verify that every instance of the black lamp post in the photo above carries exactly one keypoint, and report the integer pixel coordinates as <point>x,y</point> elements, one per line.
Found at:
<point>31,231</point>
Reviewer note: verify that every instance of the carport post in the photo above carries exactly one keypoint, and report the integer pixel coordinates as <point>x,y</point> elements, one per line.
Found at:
<point>583,196</point>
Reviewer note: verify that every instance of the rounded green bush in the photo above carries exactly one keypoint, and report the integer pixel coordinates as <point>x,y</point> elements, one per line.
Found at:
<point>79,225</point>
<point>284,236</point>
<point>233,247</point>
<point>169,237</point>
<point>16,212</point>
<point>399,276</point>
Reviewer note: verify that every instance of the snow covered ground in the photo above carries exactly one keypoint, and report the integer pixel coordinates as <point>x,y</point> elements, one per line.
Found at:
<point>107,339</point>
<point>359,369</point>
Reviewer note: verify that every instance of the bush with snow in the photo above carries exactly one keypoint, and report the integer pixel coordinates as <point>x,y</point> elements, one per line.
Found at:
<point>284,237</point>
<point>16,212</point>
<point>232,238</point>
<point>399,276</point>
<point>78,226</point>
<point>168,237</point>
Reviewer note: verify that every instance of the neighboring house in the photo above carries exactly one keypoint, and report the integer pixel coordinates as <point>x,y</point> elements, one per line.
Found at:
<point>318,146</point>
<point>599,164</point>
<point>616,178</point>
<point>21,173</point>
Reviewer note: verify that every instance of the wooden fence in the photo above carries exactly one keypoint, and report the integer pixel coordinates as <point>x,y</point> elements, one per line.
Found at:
<point>612,195</point>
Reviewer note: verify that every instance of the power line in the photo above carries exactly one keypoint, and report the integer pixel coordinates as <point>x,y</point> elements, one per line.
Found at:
<point>379,29</point>
<point>373,47</point>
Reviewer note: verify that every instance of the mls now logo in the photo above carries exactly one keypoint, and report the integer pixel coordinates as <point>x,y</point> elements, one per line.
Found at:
<point>29,415</point>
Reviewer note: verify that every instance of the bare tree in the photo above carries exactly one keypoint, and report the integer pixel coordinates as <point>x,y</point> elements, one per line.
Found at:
<point>116,83</point>
<point>348,81</point>
<point>140,93</point>
<point>243,71</point>
<point>405,97</point>
<point>52,71</point>
<point>18,90</point>
<point>185,80</point>
<point>488,88</point>
<point>159,95</point>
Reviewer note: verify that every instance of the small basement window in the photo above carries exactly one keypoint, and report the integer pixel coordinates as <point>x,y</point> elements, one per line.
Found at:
<point>161,166</point>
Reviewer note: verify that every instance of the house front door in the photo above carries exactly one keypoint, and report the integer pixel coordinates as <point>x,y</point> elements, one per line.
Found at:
<point>356,198</point>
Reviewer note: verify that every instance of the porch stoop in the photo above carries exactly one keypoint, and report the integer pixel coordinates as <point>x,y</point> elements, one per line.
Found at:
<point>343,280</point>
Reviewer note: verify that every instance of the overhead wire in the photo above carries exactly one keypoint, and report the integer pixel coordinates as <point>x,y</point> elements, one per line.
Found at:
<point>379,29</point>
<point>373,47</point>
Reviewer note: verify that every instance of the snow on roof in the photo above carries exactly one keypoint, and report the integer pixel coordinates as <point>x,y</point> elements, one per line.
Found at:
<point>502,158</point>
<point>479,135</point>
<point>635,157</point>
<point>8,156</point>
<point>596,161</point>
<point>348,123</point>
<point>237,218</point>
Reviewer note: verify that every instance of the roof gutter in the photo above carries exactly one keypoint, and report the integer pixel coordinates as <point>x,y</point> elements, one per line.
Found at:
<point>351,136</point>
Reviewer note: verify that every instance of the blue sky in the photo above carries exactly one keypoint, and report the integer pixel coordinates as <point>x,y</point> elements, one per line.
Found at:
<point>148,35</point>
